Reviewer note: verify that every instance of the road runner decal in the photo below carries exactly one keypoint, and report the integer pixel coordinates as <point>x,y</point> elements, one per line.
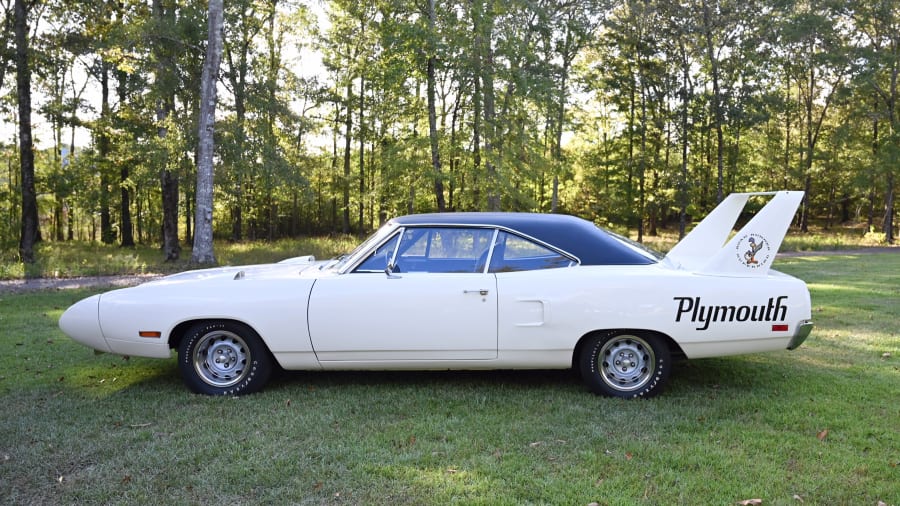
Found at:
<point>692,307</point>
<point>753,250</point>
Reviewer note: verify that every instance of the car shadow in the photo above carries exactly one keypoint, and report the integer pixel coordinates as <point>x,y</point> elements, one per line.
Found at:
<point>511,379</point>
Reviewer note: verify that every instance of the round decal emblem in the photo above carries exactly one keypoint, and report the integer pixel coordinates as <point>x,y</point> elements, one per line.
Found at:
<point>753,250</point>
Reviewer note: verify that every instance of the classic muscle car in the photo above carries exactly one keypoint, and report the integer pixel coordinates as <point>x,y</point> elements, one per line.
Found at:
<point>472,291</point>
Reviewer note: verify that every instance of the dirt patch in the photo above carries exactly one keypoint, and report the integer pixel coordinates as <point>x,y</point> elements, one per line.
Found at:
<point>859,251</point>
<point>31,285</point>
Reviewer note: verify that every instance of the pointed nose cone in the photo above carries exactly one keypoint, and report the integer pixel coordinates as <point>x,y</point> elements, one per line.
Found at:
<point>81,322</point>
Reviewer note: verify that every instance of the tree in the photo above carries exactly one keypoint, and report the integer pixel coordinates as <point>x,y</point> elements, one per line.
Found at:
<point>30,232</point>
<point>203,235</point>
<point>432,113</point>
<point>810,32</point>
<point>879,24</point>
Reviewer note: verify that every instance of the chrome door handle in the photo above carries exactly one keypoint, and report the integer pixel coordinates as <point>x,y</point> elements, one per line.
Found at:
<point>480,291</point>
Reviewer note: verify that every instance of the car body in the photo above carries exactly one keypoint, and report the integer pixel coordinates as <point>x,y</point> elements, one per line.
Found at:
<point>472,291</point>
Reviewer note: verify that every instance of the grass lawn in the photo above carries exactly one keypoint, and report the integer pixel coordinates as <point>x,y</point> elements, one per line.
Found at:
<point>818,425</point>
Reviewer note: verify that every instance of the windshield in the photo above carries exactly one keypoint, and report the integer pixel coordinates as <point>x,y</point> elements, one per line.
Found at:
<point>344,260</point>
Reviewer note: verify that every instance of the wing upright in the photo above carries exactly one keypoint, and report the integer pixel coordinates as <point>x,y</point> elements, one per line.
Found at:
<point>707,249</point>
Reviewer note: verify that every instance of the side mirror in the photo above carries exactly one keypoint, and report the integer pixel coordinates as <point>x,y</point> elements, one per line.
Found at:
<point>389,271</point>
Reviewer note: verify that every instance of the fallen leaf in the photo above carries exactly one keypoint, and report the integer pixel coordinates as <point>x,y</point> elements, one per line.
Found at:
<point>751,502</point>
<point>798,498</point>
<point>536,444</point>
<point>628,456</point>
<point>452,471</point>
<point>318,485</point>
<point>886,355</point>
<point>822,434</point>
<point>126,479</point>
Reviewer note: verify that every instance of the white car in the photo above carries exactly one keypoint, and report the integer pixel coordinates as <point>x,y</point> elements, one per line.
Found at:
<point>472,291</point>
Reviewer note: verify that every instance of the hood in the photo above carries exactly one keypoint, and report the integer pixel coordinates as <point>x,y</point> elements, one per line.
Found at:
<point>291,267</point>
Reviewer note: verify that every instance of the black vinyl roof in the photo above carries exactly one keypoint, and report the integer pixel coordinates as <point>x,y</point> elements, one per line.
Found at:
<point>591,244</point>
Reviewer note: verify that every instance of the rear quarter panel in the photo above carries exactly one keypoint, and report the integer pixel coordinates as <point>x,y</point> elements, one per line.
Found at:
<point>705,315</point>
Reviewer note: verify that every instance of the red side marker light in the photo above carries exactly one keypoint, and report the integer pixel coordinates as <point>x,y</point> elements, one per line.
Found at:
<point>779,328</point>
<point>150,333</point>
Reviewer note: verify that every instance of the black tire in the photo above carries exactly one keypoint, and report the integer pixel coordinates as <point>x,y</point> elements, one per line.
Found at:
<point>223,358</point>
<point>625,364</point>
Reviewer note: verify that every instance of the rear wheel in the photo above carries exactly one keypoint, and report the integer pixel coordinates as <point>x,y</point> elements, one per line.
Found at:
<point>223,358</point>
<point>625,364</point>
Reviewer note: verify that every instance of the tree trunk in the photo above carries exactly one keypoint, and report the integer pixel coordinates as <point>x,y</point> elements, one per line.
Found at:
<point>126,230</point>
<point>30,234</point>
<point>362,155</point>
<point>686,92</point>
<point>107,235</point>
<point>164,106</point>
<point>716,103</point>
<point>888,224</point>
<point>203,219</point>
<point>345,184</point>
<point>432,114</point>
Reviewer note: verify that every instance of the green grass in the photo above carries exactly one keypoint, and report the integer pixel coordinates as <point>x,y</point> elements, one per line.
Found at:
<point>821,423</point>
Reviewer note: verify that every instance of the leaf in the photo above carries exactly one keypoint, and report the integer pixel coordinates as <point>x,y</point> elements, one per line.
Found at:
<point>798,498</point>
<point>886,354</point>
<point>628,456</point>
<point>822,434</point>
<point>751,502</point>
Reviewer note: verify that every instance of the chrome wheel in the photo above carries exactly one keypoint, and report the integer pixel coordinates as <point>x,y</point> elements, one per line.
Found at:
<point>220,358</point>
<point>626,362</point>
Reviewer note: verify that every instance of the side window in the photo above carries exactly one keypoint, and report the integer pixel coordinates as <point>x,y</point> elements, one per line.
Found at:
<point>378,260</point>
<point>513,253</point>
<point>439,249</point>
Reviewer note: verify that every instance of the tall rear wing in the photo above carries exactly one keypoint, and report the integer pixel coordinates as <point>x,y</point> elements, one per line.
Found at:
<point>748,253</point>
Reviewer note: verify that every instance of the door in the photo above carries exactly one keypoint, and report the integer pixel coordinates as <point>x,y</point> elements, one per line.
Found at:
<point>432,305</point>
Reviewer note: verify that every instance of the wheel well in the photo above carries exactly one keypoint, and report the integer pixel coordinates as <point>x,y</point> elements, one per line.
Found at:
<point>674,349</point>
<point>181,329</point>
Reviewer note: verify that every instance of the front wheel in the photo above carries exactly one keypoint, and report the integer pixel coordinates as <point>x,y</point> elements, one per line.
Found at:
<point>625,364</point>
<point>223,358</point>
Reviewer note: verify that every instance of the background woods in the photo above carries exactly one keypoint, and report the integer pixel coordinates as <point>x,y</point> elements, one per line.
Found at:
<point>333,116</point>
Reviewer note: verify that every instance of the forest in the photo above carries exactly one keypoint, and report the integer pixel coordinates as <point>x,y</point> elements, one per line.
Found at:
<point>335,115</point>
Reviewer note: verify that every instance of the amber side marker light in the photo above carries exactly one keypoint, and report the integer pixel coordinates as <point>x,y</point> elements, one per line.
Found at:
<point>150,333</point>
<point>779,328</point>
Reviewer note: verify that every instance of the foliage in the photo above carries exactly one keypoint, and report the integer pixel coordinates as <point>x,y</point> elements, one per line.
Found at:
<point>636,114</point>
<point>809,426</point>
